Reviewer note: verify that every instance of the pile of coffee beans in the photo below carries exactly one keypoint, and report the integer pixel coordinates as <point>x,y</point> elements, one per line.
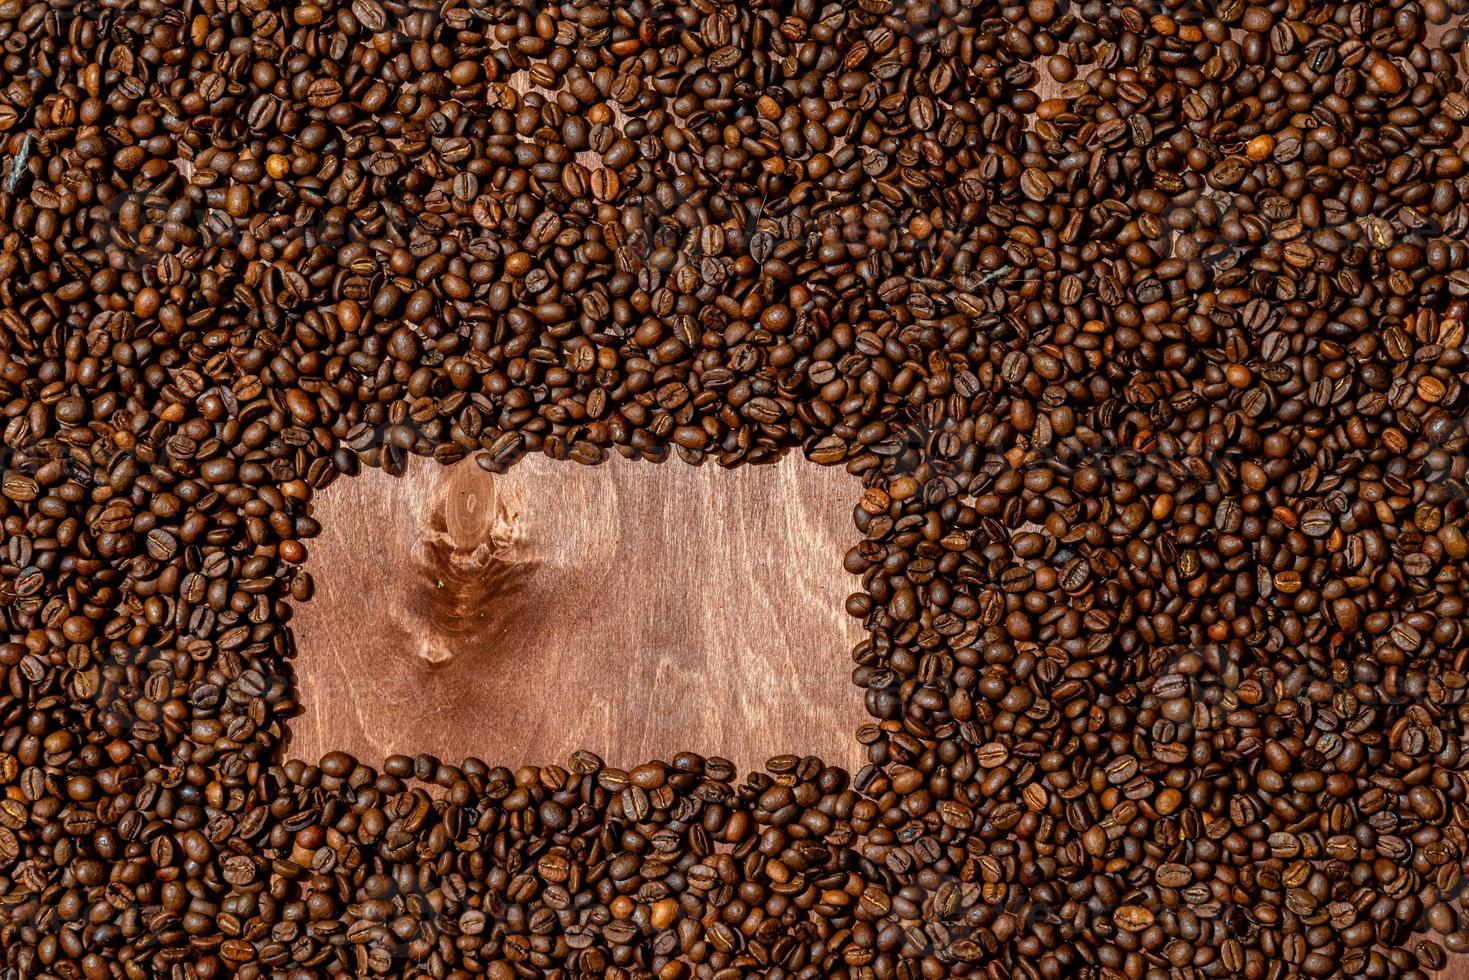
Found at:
<point>1141,329</point>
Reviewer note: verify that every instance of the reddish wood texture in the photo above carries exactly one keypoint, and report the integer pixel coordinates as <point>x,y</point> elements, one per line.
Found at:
<point>633,609</point>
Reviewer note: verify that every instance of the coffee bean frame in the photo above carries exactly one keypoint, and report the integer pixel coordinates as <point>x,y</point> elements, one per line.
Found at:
<point>1151,392</point>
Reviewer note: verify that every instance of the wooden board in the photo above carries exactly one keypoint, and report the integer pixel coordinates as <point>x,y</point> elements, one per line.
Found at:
<point>633,609</point>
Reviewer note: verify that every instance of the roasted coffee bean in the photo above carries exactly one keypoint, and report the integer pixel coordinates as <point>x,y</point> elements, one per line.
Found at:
<point>1149,381</point>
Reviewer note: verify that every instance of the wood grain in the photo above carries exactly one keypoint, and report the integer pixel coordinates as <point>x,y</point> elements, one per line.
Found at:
<point>1457,968</point>
<point>633,609</point>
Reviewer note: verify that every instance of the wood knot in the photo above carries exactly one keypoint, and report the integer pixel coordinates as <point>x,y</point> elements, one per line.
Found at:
<point>470,562</point>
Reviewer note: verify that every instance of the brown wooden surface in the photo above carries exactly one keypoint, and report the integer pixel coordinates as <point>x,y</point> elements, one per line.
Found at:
<point>633,609</point>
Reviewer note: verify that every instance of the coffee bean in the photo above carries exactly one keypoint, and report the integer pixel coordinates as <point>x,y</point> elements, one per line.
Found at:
<point>1150,381</point>
<point>1035,184</point>
<point>1133,918</point>
<point>1173,876</point>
